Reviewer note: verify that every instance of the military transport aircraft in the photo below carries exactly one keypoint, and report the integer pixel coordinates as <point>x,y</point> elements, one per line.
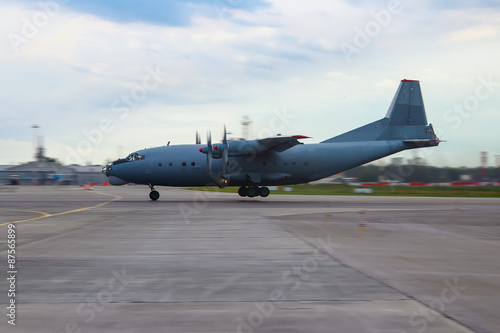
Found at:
<point>279,160</point>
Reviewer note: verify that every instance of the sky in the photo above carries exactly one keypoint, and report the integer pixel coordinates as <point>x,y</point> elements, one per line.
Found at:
<point>105,78</point>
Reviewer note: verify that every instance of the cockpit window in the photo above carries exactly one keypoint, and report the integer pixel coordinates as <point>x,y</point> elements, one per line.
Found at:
<point>135,157</point>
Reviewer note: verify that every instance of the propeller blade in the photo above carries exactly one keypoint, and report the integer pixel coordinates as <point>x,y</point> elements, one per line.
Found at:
<point>209,154</point>
<point>225,153</point>
<point>209,161</point>
<point>225,159</point>
<point>198,138</point>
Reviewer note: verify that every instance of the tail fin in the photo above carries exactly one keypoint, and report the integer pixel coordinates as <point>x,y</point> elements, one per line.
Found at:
<point>405,119</point>
<point>407,107</point>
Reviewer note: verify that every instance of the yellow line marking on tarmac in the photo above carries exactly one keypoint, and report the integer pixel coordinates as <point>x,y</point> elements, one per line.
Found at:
<point>45,215</point>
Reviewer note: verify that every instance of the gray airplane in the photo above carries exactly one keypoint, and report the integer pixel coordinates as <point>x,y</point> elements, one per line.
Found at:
<point>282,160</point>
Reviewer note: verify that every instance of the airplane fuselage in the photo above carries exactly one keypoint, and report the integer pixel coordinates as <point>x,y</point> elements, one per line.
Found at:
<point>184,165</point>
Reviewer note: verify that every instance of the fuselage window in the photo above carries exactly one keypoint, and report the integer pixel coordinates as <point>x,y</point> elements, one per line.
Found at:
<point>183,163</point>
<point>193,164</point>
<point>170,164</point>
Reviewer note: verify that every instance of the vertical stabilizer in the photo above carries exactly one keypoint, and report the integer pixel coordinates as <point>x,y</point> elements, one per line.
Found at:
<point>407,107</point>
<point>405,120</point>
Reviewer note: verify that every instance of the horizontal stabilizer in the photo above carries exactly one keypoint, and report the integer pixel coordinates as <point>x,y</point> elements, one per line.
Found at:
<point>421,140</point>
<point>419,143</point>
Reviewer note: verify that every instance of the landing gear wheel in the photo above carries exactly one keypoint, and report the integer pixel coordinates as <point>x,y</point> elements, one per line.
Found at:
<point>253,192</point>
<point>264,192</point>
<point>243,191</point>
<point>154,195</point>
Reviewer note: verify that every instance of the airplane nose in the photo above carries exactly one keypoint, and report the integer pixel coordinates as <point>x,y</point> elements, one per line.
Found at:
<point>106,168</point>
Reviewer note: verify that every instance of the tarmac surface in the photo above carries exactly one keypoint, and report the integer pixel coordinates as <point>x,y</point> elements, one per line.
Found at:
<point>111,260</point>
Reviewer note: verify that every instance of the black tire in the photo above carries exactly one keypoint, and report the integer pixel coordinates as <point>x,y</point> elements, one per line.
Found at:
<point>253,192</point>
<point>154,195</point>
<point>264,192</point>
<point>243,191</point>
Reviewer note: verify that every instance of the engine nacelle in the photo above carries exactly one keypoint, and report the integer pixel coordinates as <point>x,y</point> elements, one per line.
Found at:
<point>236,148</point>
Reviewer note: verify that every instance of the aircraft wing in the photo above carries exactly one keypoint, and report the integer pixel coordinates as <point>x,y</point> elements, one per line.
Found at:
<point>249,147</point>
<point>280,143</point>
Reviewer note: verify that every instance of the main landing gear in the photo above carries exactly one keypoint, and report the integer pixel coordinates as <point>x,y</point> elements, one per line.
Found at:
<point>253,191</point>
<point>153,195</point>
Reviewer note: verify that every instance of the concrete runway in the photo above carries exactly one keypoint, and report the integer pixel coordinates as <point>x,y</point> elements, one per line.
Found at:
<point>111,260</point>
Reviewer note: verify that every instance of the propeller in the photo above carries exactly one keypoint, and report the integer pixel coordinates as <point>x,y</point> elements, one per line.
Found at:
<point>209,153</point>
<point>198,138</point>
<point>209,150</point>
<point>225,153</point>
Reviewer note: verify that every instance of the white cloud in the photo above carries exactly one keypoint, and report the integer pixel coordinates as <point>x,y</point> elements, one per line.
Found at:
<point>473,33</point>
<point>342,76</point>
<point>16,151</point>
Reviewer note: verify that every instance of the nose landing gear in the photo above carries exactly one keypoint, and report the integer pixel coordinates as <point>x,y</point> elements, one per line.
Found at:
<point>153,195</point>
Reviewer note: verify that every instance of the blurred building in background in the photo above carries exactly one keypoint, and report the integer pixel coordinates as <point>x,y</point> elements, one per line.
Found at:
<point>50,173</point>
<point>47,171</point>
